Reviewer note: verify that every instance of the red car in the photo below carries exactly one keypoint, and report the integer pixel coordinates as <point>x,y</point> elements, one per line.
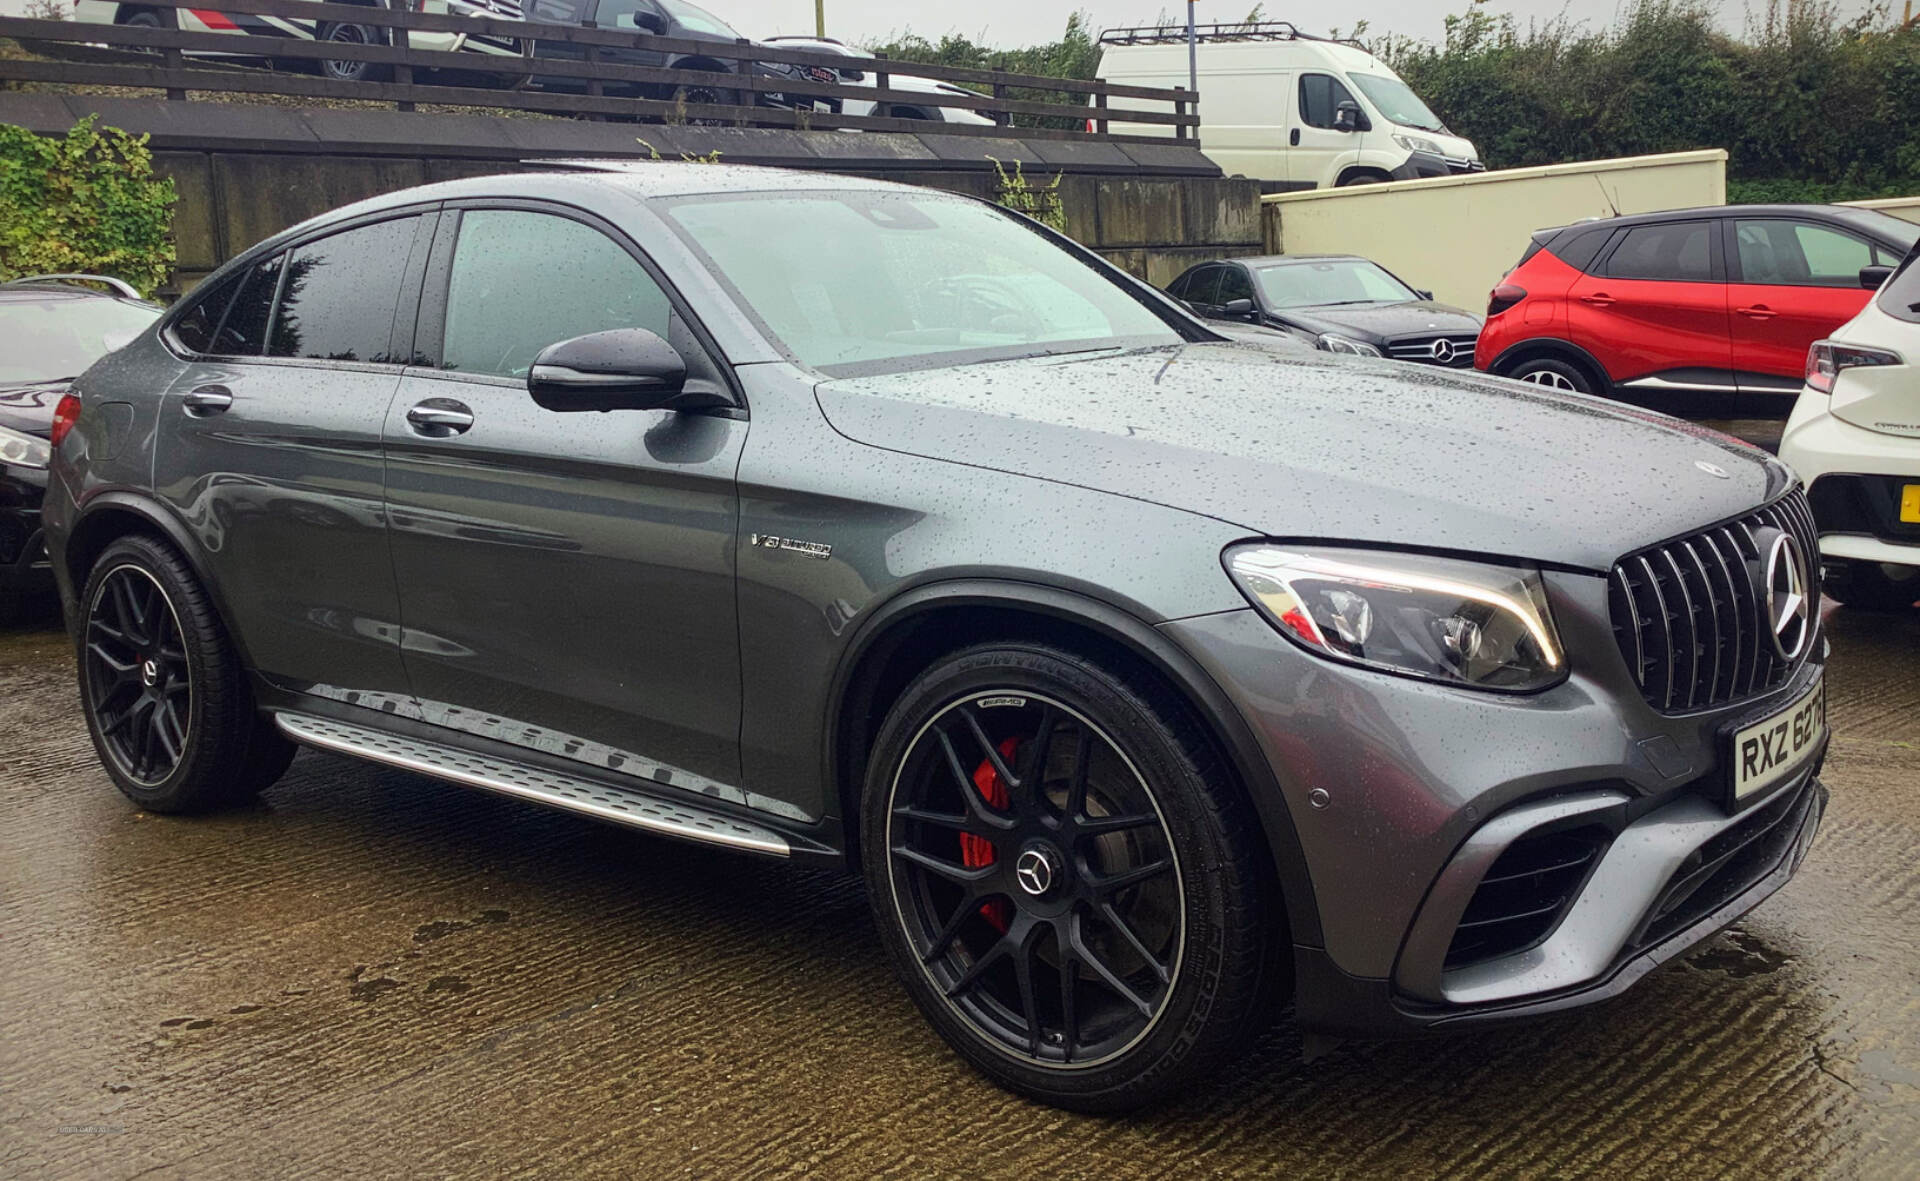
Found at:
<point>1681,309</point>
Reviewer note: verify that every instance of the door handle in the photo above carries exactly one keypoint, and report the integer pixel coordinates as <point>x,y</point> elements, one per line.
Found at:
<point>1293,137</point>
<point>207,399</point>
<point>1758,311</point>
<point>440,417</point>
<point>1599,299</point>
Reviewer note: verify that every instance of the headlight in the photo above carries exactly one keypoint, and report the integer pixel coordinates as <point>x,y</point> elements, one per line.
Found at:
<point>1441,619</point>
<point>24,450</point>
<point>1415,143</point>
<point>1340,344</point>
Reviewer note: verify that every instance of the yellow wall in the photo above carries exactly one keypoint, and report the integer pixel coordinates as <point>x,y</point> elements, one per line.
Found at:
<point>1904,208</point>
<point>1458,235</point>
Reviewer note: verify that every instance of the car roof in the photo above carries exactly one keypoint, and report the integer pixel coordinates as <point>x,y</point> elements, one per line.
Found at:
<point>1268,260</point>
<point>54,291</point>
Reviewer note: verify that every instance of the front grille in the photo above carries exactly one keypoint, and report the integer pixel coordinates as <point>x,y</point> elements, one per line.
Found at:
<point>1689,615</point>
<point>1524,894</point>
<point>1718,871</point>
<point>508,9</point>
<point>1458,350</point>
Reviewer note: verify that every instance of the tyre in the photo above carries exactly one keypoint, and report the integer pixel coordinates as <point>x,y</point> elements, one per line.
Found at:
<point>1553,373</point>
<point>1362,178</point>
<point>1066,878</point>
<point>1872,586</point>
<point>144,20</point>
<point>165,698</point>
<point>351,71</point>
<point>706,96</point>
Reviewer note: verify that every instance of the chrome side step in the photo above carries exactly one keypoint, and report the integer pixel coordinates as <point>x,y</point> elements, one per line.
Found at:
<point>630,809</point>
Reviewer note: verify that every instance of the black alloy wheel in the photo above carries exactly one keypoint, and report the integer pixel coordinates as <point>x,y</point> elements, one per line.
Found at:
<point>1067,877</point>
<point>708,96</point>
<point>1036,878</point>
<point>166,700</point>
<point>139,685</point>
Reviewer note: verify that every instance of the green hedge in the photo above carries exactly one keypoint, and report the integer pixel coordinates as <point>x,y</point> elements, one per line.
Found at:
<point>1807,103</point>
<point>86,203</point>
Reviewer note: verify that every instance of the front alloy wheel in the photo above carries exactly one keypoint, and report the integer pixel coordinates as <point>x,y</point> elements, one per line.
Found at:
<point>1035,878</point>
<point>1068,879</point>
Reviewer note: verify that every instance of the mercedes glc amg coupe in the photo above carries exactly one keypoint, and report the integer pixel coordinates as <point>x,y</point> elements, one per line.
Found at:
<point>1147,678</point>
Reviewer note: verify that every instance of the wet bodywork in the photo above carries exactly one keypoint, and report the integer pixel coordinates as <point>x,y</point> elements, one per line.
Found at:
<point>360,567</point>
<point>370,972</point>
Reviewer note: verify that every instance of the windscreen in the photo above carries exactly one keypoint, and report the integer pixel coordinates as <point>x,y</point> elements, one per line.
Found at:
<point>1397,102</point>
<point>46,340</point>
<point>694,17</point>
<point>1326,282</point>
<point>886,280</point>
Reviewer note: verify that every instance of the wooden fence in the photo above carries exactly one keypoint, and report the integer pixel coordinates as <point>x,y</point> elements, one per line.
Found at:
<point>518,74</point>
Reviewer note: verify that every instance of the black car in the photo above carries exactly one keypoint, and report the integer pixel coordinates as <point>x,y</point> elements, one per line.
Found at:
<point>667,18</point>
<point>52,327</point>
<point>1340,302</point>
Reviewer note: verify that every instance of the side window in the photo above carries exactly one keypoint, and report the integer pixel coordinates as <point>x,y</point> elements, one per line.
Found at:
<point>522,281</point>
<point>195,327</point>
<point>1178,288</point>
<point>619,14</point>
<point>1202,285</point>
<point>1320,96</point>
<point>244,330</point>
<point>1234,284</point>
<point>340,293</point>
<point>1675,250</point>
<point>1900,296</point>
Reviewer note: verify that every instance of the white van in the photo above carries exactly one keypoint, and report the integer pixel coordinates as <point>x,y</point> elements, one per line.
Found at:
<point>1295,111</point>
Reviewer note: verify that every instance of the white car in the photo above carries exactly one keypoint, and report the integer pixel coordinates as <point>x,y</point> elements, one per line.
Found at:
<point>1854,437</point>
<point>854,76</point>
<point>264,29</point>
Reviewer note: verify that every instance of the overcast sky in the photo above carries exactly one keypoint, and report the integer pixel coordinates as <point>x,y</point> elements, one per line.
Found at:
<point>1023,22</point>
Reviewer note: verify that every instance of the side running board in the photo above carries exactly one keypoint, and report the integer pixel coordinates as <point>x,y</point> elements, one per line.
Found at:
<point>617,805</point>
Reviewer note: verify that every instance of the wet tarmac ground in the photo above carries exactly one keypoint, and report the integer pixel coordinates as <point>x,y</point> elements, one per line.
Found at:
<point>373,973</point>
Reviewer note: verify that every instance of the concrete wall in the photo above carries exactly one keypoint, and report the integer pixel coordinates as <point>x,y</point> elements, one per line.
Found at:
<point>1904,208</point>
<point>1458,235</point>
<point>246,171</point>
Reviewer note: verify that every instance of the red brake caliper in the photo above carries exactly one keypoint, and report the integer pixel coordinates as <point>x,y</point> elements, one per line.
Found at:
<point>976,851</point>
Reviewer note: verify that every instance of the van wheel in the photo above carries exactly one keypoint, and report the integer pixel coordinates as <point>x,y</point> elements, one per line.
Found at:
<point>1872,586</point>
<point>351,71</point>
<point>1066,878</point>
<point>1362,178</point>
<point>166,701</point>
<point>1553,373</point>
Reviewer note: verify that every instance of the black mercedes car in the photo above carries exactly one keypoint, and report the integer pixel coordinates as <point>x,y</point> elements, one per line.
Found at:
<point>1339,302</point>
<point>52,327</point>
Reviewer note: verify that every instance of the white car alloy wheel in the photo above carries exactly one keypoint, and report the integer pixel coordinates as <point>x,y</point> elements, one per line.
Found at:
<point>1550,379</point>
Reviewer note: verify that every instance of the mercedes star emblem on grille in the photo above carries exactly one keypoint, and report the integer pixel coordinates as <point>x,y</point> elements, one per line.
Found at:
<point>1789,610</point>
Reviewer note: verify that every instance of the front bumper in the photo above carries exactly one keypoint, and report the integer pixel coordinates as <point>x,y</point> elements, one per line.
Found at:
<point>1420,165</point>
<point>24,568</point>
<point>1403,794</point>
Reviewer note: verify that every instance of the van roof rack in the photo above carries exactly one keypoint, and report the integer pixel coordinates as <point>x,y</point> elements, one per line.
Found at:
<point>1239,31</point>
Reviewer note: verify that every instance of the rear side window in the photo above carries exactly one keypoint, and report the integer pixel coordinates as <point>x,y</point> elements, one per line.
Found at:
<point>195,327</point>
<point>1320,96</point>
<point>1202,284</point>
<point>340,294</point>
<point>1679,251</point>
<point>1578,250</point>
<point>522,281</point>
<point>244,330</point>
<point>1900,298</point>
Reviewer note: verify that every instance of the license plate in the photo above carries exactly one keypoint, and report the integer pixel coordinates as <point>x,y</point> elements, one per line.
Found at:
<point>1779,745</point>
<point>1910,504</point>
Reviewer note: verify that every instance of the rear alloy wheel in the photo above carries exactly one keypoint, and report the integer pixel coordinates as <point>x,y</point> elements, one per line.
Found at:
<point>165,699</point>
<point>1872,586</point>
<point>1066,889</point>
<point>706,96</point>
<point>1553,374</point>
<point>351,71</point>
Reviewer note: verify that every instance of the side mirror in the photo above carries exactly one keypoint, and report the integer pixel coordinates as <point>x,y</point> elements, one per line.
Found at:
<point>1237,307</point>
<point>1349,117</point>
<point>1872,277</point>
<point>649,22</point>
<point>620,369</point>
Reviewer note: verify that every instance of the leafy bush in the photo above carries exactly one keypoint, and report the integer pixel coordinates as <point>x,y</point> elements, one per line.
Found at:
<point>1039,202</point>
<point>88,203</point>
<point>1806,96</point>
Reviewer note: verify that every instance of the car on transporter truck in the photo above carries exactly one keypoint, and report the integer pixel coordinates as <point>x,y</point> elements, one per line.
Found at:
<point>1146,677</point>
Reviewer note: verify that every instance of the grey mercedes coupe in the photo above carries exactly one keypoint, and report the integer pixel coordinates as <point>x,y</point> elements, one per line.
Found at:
<point>1148,678</point>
